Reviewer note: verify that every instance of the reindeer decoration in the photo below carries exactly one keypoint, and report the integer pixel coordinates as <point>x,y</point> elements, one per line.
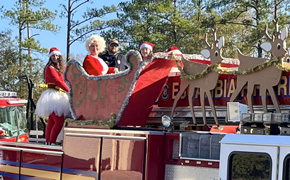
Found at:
<point>286,61</point>
<point>207,82</point>
<point>268,76</point>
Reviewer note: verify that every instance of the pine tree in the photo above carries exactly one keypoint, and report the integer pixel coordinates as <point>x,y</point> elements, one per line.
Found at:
<point>251,17</point>
<point>27,15</point>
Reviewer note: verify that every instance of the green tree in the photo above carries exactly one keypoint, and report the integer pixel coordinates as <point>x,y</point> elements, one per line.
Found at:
<point>9,68</point>
<point>8,62</point>
<point>251,17</point>
<point>163,22</point>
<point>182,23</point>
<point>27,15</point>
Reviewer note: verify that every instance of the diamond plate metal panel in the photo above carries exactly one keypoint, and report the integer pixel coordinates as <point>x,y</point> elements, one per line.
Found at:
<point>178,172</point>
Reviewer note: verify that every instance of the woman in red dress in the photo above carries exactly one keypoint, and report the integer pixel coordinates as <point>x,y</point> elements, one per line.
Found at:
<point>93,64</point>
<point>53,102</point>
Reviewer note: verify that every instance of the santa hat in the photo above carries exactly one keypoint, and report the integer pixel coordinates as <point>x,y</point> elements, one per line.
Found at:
<point>174,50</point>
<point>53,51</point>
<point>147,45</point>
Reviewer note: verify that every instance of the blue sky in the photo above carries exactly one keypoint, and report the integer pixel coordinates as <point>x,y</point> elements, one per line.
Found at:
<point>49,39</point>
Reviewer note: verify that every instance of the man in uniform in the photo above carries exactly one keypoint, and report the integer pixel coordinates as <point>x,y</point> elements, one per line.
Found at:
<point>113,58</point>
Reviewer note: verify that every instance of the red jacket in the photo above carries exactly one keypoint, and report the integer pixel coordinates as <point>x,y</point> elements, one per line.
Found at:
<point>52,76</point>
<point>96,66</point>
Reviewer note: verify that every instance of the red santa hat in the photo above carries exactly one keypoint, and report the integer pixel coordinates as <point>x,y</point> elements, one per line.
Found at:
<point>147,45</point>
<point>53,51</point>
<point>174,50</point>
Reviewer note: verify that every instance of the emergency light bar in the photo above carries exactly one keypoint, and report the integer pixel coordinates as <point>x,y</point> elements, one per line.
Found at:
<point>8,94</point>
<point>235,111</point>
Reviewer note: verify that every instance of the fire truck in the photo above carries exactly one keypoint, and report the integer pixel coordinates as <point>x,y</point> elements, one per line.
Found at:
<point>125,126</point>
<point>13,125</point>
<point>154,147</point>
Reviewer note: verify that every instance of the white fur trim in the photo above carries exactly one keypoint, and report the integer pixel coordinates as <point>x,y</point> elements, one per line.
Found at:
<point>175,52</point>
<point>54,52</point>
<point>146,45</point>
<point>104,65</point>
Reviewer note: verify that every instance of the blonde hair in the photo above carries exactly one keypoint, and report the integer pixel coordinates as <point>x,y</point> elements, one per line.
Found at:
<point>96,38</point>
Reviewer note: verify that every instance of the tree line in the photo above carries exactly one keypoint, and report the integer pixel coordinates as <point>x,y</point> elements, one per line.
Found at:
<point>165,23</point>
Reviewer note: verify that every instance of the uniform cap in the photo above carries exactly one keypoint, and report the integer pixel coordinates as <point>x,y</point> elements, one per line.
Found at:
<point>114,41</point>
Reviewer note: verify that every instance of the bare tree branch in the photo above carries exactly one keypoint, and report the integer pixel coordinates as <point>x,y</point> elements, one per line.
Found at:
<point>81,36</point>
<point>79,5</point>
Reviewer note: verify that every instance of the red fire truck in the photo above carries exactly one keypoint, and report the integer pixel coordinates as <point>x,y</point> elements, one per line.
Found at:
<point>121,130</point>
<point>13,125</point>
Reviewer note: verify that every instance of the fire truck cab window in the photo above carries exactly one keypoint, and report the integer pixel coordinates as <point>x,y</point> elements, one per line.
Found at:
<point>245,166</point>
<point>13,121</point>
<point>286,168</point>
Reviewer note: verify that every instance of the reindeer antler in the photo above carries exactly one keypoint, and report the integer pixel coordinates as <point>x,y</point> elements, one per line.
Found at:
<point>215,41</point>
<point>205,41</point>
<point>276,34</point>
<point>265,31</point>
